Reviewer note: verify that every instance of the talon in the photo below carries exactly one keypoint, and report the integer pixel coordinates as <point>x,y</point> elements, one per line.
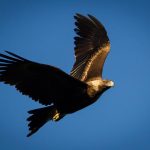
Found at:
<point>56,116</point>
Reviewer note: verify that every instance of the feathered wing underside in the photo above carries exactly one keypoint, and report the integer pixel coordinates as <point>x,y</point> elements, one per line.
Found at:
<point>91,48</point>
<point>42,83</point>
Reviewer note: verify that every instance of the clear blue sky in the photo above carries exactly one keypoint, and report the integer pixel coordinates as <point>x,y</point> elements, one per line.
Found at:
<point>43,31</point>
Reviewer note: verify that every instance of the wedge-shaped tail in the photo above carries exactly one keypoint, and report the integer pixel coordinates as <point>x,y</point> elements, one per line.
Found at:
<point>40,116</point>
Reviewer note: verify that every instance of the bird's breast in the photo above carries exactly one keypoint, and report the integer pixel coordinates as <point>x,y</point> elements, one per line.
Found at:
<point>92,91</point>
<point>76,101</point>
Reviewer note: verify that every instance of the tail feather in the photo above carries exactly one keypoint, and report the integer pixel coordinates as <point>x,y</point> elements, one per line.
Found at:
<point>39,117</point>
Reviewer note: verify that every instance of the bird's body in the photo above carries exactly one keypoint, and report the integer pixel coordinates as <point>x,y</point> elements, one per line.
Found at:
<point>62,93</point>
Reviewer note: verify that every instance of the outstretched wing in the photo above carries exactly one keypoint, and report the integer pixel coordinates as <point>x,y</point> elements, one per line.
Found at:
<point>91,48</point>
<point>42,83</point>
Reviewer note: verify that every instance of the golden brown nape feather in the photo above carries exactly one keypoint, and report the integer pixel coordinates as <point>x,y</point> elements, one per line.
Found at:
<point>91,48</point>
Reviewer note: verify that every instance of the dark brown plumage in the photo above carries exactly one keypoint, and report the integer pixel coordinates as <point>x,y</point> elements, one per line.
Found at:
<point>63,93</point>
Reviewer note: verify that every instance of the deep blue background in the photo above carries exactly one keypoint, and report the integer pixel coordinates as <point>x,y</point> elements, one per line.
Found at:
<point>43,31</point>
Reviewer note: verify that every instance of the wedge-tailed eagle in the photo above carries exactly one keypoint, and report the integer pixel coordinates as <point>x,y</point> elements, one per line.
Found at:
<point>62,93</point>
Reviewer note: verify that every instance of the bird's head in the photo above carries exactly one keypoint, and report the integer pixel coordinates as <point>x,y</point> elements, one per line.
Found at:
<point>108,83</point>
<point>98,86</point>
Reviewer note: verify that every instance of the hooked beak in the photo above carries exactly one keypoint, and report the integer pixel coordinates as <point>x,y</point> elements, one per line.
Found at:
<point>111,84</point>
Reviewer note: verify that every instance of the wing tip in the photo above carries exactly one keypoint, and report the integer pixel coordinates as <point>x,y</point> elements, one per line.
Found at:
<point>12,56</point>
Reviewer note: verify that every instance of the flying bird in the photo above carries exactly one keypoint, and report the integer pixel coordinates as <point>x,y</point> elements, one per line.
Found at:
<point>60,92</point>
